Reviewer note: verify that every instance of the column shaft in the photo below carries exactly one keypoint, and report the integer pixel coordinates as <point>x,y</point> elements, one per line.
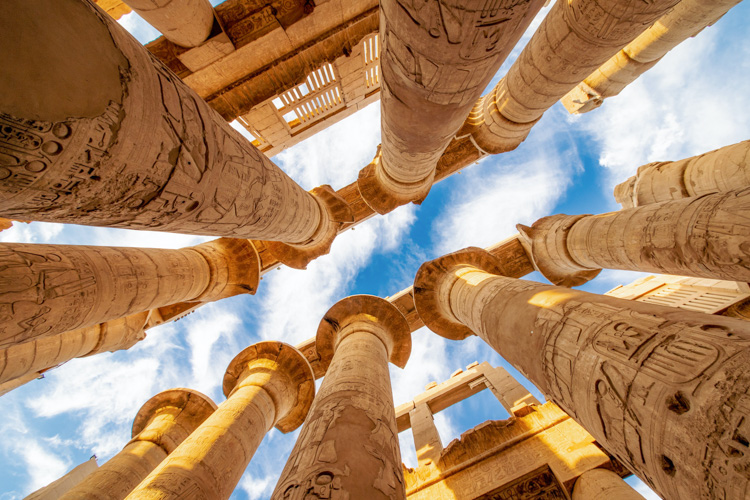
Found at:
<point>509,392</point>
<point>109,137</point>
<point>666,391</point>
<point>426,437</point>
<point>184,22</point>
<point>602,483</point>
<point>721,170</point>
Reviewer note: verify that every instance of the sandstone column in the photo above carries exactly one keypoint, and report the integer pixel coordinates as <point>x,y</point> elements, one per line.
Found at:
<point>50,289</point>
<point>160,426</point>
<point>436,60</point>
<point>666,391</point>
<point>55,489</point>
<point>513,396</point>
<point>95,131</point>
<point>721,170</point>
<point>268,384</point>
<point>574,39</point>
<point>348,447</point>
<point>184,22</point>
<point>602,483</point>
<point>685,20</point>
<point>703,236</point>
<point>426,436</point>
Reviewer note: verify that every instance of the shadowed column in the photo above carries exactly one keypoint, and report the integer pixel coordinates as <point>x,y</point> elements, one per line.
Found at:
<point>348,447</point>
<point>705,236</point>
<point>50,289</point>
<point>666,391</point>
<point>574,39</point>
<point>184,22</point>
<point>437,59</point>
<point>597,484</point>
<point>721,170</point>
<point>160,426</point>
<point>268,384</point>
<point>95,131</point>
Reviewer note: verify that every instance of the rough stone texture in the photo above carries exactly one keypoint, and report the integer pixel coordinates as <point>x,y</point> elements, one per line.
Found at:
<point>184,22</point>
<point>50,289</point>
<point>160,426</point>
<point>721,170</point>
<point>666,391</point>
<point>685,20</point>
<point>110,137</point>
<point>348,446</point>
<point>268,384</point>
<point>602,483</point>
<point>437,59</point>
<point>553,63</point>
<point>702,236</point>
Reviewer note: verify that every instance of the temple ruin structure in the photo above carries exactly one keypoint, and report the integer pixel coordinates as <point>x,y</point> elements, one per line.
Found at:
<point>650,379</point>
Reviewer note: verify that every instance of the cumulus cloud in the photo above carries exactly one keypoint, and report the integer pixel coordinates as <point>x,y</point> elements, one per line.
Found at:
<point>140,29</point>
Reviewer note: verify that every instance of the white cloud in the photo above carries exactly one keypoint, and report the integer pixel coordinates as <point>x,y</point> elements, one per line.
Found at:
<point>256,488</point>
<point>43,466</point>
<point>34,232</point>
<point>140,29</point>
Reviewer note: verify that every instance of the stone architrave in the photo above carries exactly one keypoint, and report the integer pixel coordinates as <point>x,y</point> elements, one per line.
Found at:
<point>427,441</point>
<point>160,426</point>
<point>348,447</point>
<point>685,20</point>
<point>268,384</point>
<point>38,356</point>
<point>51,289</point>
<point>597,484</point>
<point>186,23</point>
<point>704,237</point>
<point>721,170</point>
<point>664,390</point>
<point>551,64</point>
<point>437,59</point>
<point>110,137</point>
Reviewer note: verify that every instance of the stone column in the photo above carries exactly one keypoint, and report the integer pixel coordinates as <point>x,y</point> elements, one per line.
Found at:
<point>721,170</point>
<point>348,447</point>
<point>268,384</point>
<point>50,289</point>
<point>685,20</point>
<point>184,22</point>
<point>110,137</point>
<point>55,489</point>
<point>553,63</point>
<point>514,397</point>
<point>705,237</point>
<point>666,391</point>
<point>597,484</point>
<point>437,59</point>
<point>160,426</point>
<point>426,436</point>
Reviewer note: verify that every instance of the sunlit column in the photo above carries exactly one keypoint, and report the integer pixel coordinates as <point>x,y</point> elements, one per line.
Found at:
<point>597,484</point>
<point>348,446</point>
<point>94,130</point>
<point>721,170</point>
<point>160,426</point>
<point>51,289</point>
<point>685,20</point>
<point>513,396</point>
<point>184,22</point>
<point>437,59</point>
<point>574,39</point>
<point>55,489</point>
<point>666,391</point>
<point>268,384</point>
<point>426,436</point>
<point>702,236</point>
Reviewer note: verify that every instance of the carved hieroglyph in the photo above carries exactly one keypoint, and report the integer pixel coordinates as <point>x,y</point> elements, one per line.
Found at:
<point>705,236</point>
<point>721,170</point>
<point>268,384</point>
<point>574,39</point>
<point>438,56</point>
<point>603,483</point>
<point>184,22</point>
<point>686,19</point>
<point>49,289</point>
<point>110,137</point>
<point>666,391</point>
<point>348,447</point>
<point>160,426</point>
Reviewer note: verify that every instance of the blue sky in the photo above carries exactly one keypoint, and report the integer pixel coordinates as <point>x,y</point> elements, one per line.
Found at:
<point>695,100</point>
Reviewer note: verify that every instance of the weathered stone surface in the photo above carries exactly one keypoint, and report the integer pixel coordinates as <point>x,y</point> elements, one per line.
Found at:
<point>603,483</point>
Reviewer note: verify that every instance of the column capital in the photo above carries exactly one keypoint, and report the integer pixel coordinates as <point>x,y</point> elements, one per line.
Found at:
<point>428,294</point>
<point>547,240</point>
<point>293,388</point>
<point>186,408</point>
<point>392,327</point>
<point>338,212</point>
<point>234,265</point>
<point>373,184</point>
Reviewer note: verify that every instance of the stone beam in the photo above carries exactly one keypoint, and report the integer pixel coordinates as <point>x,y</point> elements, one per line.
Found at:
<point>685,20</point>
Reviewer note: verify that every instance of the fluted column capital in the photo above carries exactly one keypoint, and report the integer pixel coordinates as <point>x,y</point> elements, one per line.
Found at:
<point>283,372</point>
<point>234,266</point>
<point>364,313</point>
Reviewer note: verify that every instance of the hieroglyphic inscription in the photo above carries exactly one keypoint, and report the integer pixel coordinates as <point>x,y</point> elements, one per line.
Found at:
<point>540,484</point>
